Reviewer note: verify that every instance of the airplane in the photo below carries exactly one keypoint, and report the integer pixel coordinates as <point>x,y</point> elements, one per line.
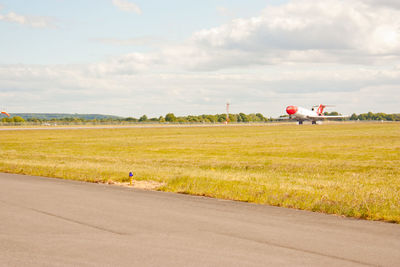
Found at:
<point>302,114</point>
<point>5,113</point>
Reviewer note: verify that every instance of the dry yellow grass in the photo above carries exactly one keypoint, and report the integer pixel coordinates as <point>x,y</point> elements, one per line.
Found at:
<point>346,169</point>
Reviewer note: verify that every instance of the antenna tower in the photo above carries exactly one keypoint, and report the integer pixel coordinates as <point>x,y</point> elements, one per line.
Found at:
<point>227,113</point>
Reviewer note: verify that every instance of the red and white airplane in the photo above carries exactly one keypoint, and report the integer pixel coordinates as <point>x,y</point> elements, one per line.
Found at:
<point>302,114</point>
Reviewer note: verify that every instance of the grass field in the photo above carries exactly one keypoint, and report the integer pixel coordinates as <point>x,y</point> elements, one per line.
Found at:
<point>346,169</point>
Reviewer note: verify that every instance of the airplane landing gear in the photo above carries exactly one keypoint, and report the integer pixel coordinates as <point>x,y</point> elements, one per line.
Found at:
<point>314,122</point>
<point>300,122</point>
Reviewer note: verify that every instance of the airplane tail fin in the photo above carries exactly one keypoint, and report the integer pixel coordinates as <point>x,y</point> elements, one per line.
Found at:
<point>321,108</point>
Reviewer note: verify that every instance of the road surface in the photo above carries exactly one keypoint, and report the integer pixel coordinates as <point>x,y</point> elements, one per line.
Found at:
<point>138,126</point>
<point>52,222</point>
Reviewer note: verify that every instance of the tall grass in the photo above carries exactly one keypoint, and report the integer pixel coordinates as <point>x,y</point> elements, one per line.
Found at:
<point>345,169</point>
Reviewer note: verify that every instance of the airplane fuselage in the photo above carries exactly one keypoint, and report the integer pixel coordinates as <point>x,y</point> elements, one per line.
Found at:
<point>315,114</point>
<point>303,114</point>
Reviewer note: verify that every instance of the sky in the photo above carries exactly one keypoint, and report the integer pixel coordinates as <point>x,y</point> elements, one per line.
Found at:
<point>135,57</point>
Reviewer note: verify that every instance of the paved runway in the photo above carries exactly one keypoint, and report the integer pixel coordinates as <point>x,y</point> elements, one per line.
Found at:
<point>51,222</point>
<point>87,127</point>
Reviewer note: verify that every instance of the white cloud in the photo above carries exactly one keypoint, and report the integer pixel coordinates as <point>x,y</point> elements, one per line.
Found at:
<point>306,30</point>
<point>32,21</point>
<point>104,88</point>
<point>127,6</point>
<point>301,31</point>
<point>126,65</point>
<point>137,41</point>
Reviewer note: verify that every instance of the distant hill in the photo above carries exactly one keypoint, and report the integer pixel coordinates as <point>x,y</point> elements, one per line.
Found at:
<point>49,116</point>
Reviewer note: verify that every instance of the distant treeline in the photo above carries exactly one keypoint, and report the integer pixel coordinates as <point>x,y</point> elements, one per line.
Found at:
<point>168,118</point>
<point>50,116</point>
<point>375,117</point>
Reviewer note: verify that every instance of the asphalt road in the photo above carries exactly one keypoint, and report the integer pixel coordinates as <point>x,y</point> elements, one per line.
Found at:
<point>139,126</point>
<point>51,222</point>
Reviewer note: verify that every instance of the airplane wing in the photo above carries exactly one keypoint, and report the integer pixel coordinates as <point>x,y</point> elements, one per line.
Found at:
<point>329,117</point>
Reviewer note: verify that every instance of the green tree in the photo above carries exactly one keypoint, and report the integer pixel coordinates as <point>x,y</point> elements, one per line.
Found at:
<point>33,119</point>
<point>354,117</point>
<point>143,118</point>
<point>181,120</point>
<point>17,119</point>
<point>243,117</point>
<point>221,117</point>
<point>192,118</point>
<point>261,117</point>
<point>131,119</point>
<point>333,113</point>
<point>233,118</point>
<point>390,117</point>
<point>211,118</point>
<point>170,117</point>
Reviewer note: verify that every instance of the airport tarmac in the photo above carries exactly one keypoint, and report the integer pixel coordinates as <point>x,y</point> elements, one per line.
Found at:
<point>52,222</point>
<point>194,125</point>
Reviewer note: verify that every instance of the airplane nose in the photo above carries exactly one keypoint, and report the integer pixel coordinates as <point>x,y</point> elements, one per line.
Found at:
<point>291,110</point>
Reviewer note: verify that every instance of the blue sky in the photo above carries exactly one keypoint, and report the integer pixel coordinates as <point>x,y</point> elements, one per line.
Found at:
<point>78,24</point>
<point>134,57</point>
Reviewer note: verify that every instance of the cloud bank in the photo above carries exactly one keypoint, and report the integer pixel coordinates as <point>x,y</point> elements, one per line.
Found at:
<point>302,31</point>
